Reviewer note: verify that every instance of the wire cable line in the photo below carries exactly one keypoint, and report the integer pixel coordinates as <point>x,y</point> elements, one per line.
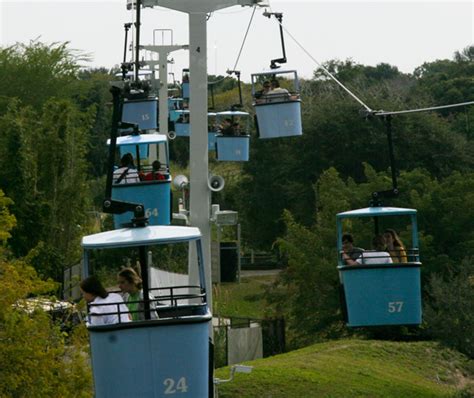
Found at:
<point>245,38</point>
<point>241,47</point>
<point>326,70</point>
<point>368,109</point>
<point>432,108</point>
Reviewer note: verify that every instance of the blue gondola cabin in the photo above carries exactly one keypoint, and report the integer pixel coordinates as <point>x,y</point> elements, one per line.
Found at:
<point>143,112</point>
<point>175,105</point>
<point>182,123</point>
<point>164,350</point>
<point>233,139</point>
<point>378,287</point>
<point>278,108</point>
<point>146,180</point>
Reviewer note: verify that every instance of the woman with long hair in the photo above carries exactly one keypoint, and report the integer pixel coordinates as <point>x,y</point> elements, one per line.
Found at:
<point>395,246</point>
<point>130,284</point>
<point>104,308</point>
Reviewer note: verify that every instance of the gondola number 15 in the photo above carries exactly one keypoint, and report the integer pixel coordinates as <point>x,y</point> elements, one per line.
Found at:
<point>395,306</point>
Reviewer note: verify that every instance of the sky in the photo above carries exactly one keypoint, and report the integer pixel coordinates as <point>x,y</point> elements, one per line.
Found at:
<point>399,32</point>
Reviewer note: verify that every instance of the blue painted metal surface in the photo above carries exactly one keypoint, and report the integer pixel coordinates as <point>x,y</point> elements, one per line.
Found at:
<point>278,111</point>
<point>282,119</point>
<point>211,141</point>
<point>382,294</point>
<point>142,148</point>
<point>389,295</point>
<point>233,148</point>
<point>155,197</point>
<point>174,105</point>
<point>182,129</point>
<point>142,112</point>
<point>157,358</point>
<point>155,361</point>
<point>185,88</point>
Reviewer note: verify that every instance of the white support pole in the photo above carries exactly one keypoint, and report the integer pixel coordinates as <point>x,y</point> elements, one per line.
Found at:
<point>200,194</point>
<point>163,94</point>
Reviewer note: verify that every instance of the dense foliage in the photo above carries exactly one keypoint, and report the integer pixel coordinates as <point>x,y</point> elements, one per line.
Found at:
<point>37,359</point>
<point>48,121</point>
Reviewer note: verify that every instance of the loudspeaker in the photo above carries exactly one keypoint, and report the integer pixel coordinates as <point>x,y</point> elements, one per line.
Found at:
<point>180,181</point>
<point>216,183</point>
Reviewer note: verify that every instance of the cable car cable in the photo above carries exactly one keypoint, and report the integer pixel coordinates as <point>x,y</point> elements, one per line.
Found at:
<point>245,38</point>
<point>241,48</point>
<point>432,108</point>
<point>368,109</point>
<point>327,71</point>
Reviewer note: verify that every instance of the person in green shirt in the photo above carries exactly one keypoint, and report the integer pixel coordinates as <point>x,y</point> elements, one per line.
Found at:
<point>130,284</point>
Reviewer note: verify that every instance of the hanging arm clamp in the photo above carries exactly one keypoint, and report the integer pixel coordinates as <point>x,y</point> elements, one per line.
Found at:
<point>376,199</point>
<point>274,62</point>
<point>240,104</point>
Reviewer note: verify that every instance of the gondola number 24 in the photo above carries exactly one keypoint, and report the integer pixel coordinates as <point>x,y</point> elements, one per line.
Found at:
<point>395,306</point>
<point>172,386</point>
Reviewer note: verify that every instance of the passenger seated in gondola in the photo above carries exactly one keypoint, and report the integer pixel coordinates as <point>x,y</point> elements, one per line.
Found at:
<point>277,93</point>
<point>183,118</point>
<point>130,284</point>
<point>236,128</point>
<point>260,95</point>
<point>155,174</point>
<point>395,246</point>
<point>377,256</point>
<point>348,247</point>
<point>126,173</point>
<point>227,127</point>
<point>104,308</point>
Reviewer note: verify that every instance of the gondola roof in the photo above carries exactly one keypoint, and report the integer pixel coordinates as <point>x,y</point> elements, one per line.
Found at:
<point>141,236</point>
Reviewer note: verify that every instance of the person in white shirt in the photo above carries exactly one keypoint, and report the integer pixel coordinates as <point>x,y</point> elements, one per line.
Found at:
<point>104,308</point>
<point>377,256</point>
<point>126,173</point>
<point>277,93</point>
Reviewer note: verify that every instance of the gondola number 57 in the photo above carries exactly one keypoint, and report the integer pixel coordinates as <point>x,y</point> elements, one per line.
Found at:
<point>395,306</point>
<point>172,386</point>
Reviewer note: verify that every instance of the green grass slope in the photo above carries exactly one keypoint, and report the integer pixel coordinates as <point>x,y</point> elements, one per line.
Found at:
<point>244,299</point>
<point>356,368</point>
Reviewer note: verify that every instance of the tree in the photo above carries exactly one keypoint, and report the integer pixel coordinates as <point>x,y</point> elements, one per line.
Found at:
<point>43,170</point>
<point>35,72</point>
<point>92,94</point>
<point>35,359</point>
<point>308,287</point>
<point>450,310</point>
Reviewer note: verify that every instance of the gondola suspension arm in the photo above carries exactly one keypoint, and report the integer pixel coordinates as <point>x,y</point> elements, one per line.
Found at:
<point>282,60</point>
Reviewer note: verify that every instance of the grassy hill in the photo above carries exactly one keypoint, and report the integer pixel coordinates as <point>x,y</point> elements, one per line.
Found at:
<point>244,299</point>
<point>356,368</point>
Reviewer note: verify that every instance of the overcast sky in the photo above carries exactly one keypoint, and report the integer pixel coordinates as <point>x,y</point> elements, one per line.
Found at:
<point>401,33</point>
